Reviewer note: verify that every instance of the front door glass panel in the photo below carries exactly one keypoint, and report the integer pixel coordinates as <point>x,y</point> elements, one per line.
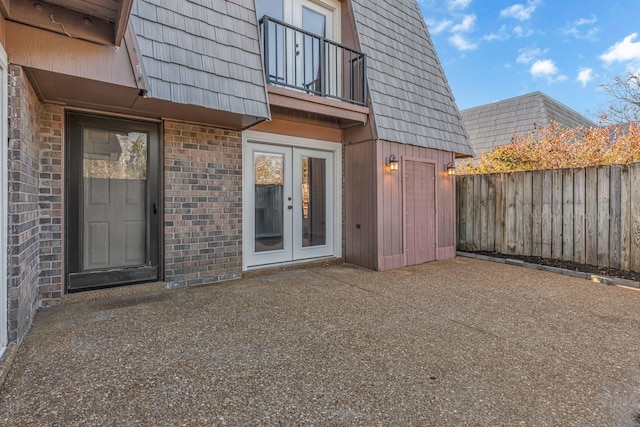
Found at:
<point>114,180</point>
<point>269,201</point>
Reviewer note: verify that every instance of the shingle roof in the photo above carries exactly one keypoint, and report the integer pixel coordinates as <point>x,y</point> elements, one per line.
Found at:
<point>202,53</point>
<point>410,97</point>
<point>495,124</point>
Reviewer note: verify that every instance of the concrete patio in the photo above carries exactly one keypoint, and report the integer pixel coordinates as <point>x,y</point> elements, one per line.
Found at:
<point>459,342</point>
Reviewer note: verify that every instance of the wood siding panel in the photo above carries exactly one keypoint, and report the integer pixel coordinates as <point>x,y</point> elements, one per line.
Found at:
<point>360,222</point>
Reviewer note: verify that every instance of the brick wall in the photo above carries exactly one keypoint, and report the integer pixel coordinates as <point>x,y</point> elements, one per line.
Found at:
<point>203,204</point>
<point>50,204</point>
<point>35,203</point>
<point>23,233</point>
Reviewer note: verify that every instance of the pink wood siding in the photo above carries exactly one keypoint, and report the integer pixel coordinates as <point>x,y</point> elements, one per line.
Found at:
<point>360,191</point>
<point>390,204</point>
<point>420,211</point>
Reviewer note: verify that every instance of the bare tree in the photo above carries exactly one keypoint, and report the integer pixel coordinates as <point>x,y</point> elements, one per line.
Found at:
<point>624,92</point>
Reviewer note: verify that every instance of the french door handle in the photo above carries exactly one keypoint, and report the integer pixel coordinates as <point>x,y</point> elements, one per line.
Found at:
<point>289,207</point>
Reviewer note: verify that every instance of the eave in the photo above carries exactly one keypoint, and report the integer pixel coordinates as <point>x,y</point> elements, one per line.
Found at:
<point>79,19</point>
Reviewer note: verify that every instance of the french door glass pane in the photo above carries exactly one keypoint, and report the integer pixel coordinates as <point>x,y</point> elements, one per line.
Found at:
<point>314,202</point>
<point>114,180</point>
<point>269,191</point>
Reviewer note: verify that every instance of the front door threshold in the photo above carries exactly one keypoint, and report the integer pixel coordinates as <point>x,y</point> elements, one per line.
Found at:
<point>260,270</point>
<point>112,277</point>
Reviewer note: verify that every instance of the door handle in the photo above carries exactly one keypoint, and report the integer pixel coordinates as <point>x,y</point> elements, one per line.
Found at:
<point>289,207</point>
<point>155,208</point>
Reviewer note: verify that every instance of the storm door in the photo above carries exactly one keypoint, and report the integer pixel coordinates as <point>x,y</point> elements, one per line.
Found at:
<point>112,201</point>
<point>291,204</point>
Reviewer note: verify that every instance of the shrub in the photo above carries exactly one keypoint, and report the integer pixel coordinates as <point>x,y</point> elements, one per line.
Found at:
<point>555,147</point>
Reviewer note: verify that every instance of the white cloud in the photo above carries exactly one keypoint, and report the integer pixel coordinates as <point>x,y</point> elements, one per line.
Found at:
<point>527,56</point>
<point>625,51</point>
<point>575,28</point>
<point>586,21</point>
<point>520,11</point>
<point>521,32</point>
<point>585,75</point>
<point>458,4</point>
<point>461,43</point>
<point>438,27</point>
<point>467,24</point>
<point>545,68</point>
<point>501,35</point>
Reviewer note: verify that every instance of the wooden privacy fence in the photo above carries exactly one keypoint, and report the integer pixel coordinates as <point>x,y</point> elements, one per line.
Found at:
<point>588,215</point>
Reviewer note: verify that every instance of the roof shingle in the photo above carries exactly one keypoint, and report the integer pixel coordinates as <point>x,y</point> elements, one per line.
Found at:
<point>410,96</point>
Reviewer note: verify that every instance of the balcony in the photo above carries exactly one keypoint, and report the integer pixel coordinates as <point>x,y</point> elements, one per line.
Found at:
<point>303,61</point>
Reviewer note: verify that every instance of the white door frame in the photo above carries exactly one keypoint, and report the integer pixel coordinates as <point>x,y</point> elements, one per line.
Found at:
<point>3,200</point>
<point>334,150</point>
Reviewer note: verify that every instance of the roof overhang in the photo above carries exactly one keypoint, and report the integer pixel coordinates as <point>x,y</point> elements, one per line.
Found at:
<point>98,22</point>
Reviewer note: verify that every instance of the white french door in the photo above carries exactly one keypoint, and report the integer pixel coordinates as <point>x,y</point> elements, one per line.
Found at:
<point>289,204</point>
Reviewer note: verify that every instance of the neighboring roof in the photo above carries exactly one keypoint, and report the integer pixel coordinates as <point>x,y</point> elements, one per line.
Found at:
<point>494,124</point>
<point>410,98</point>
<point>196,54</point>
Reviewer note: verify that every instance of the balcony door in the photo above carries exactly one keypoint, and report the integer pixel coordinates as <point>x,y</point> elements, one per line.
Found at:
<point>313,57</point>
<point>302,59</point>
<point>289,204</point>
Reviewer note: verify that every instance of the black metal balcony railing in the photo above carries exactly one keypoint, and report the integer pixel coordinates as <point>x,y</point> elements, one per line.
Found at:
<point>301,60</point>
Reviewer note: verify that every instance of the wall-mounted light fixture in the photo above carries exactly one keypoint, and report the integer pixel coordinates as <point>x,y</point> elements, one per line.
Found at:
<point>450,169</point>
<point>392,162</point>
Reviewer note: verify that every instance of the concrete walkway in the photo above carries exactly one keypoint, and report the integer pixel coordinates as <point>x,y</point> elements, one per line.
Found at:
<point>459,342</point>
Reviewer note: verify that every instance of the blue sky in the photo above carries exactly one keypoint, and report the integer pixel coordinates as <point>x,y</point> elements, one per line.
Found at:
<point>493,50</point>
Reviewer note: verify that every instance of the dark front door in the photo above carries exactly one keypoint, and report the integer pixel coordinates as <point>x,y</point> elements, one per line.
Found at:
<point>112,201</point>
